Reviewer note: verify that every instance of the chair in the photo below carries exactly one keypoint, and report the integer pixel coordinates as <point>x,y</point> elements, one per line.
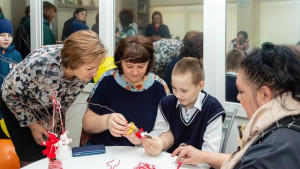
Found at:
<point>227,124</point>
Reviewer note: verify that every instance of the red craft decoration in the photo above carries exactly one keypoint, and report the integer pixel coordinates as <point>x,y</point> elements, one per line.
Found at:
<point>50,150</point>
<point>143,165</point>
<point>55,164</point>
<point>112,167</point>
<point>138,134</point>
<point>179,164</point>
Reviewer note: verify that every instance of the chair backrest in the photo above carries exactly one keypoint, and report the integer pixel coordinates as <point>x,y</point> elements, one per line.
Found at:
<point>227,124</point>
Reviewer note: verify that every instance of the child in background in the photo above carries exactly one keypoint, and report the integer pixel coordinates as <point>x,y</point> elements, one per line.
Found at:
<point>9,55</point>
<point>188,117</point>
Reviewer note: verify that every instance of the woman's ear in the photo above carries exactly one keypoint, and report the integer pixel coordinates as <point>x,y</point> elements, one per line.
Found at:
<point>264,94</point>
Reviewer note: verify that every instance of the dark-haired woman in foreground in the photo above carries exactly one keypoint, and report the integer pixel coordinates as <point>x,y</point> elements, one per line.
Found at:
<point>269,90</point>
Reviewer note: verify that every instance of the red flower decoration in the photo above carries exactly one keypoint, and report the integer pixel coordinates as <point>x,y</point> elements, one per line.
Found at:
<point>138,135</point>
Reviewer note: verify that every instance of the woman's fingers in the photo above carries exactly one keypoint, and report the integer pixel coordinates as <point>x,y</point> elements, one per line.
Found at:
<point>117,124</point>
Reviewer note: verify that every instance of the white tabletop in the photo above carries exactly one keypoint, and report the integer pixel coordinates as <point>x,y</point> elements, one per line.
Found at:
<point>129,158</point>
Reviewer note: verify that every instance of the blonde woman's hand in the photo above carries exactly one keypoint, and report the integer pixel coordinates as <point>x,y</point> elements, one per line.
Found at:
<point>37,132</point>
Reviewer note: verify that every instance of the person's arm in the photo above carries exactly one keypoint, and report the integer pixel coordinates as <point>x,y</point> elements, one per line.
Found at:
<point>37,132</point>
<point>95,123</point>
<point>160,125</point>
<point>48,36</point>
<point>248,48</point>
<point>191,155</point>
<point>280,149</point>
<point>17,58</point>
<point>148,31</point>
<point>20,96</point>
<point>162,137</point>
<point>230,46</point>
<point>155,145</point>
<point>212,138</point>
<point>166,32</point>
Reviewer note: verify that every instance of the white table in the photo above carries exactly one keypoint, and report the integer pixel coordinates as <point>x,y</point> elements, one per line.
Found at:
<point>129,158</point>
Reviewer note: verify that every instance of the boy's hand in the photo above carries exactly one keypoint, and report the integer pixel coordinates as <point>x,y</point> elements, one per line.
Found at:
<point>152,146</point>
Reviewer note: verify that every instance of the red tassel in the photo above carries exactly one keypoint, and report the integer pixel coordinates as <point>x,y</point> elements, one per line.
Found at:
<point>55,164</point>
<point>143,165</point>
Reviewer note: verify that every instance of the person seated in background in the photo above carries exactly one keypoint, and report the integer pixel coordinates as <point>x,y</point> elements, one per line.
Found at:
<point>233,61</point>
<point>269,90</point>
<point>129,94</point>
<point>165,50</point>
<point>49,11</point>
<point>192,47</point>
<point>157,29</point>
<point>78,15</point>
<point>95,27</point>
<point>126,17</point>
<point>133,24</point>
<point>9,55</point>
<point>188,117</point>
<point>241,42</point>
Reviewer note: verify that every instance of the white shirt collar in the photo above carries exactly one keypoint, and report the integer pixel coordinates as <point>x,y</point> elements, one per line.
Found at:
<point>198,103</point>
<point>231,73</point>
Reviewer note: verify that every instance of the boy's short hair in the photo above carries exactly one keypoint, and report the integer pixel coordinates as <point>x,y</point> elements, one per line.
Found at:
<point>193,65</point>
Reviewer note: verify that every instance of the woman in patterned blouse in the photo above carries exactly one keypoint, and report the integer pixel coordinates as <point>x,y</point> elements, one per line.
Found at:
<point>28,89</point>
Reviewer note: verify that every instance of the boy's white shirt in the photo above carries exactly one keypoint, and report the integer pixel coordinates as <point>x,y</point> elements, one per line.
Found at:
<point>212,136</point>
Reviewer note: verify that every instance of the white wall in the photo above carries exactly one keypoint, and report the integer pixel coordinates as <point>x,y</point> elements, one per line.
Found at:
<point>214,61</point>
<point>6,8</point>
<point>173,2</point>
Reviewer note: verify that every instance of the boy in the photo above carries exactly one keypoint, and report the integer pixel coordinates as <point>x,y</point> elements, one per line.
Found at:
<point>190,116</point>
<point>9,55</point>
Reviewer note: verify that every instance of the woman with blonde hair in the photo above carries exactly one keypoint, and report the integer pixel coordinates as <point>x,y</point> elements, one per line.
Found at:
<point>27,90</point>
